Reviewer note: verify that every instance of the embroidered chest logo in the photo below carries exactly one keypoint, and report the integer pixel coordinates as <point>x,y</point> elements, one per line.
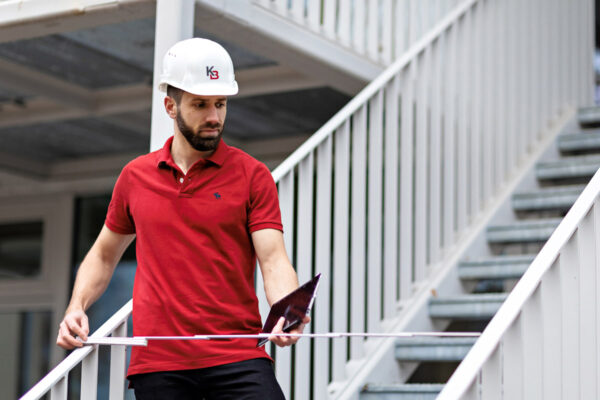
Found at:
<point>217,195</point>
<point>212,73</point>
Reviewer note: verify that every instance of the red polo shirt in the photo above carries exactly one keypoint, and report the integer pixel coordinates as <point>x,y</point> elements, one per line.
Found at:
<point>196,262</point>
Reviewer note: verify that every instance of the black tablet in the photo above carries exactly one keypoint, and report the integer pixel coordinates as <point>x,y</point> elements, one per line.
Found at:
<point>294,307</point>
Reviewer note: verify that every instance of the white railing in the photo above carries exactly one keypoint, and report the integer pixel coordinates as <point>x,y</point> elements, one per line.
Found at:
<point>379,195</point>
<point>543,342</point>
<point>383,191</point>
<point>379,30</point>
<point>57,381</point>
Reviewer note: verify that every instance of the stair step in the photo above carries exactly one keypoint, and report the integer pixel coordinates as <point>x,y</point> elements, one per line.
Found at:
<point>524,231</point>
<point>586,141</point>
<point>467,307</point>
<point>501,267</point>
<point>559,198</point>
<point>433,349</point>
<point>576,167</point>
<point>404,391</point>
<point>589,116</point>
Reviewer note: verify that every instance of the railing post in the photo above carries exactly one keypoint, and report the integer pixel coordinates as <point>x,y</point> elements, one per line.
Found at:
<point>117,365</point>
<point>89,376</point>
<point>60,389</point>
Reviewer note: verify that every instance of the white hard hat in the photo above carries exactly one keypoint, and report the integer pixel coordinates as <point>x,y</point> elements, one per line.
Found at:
<point>198,66</point>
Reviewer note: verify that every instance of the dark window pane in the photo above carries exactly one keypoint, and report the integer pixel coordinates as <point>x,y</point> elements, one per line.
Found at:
<point>20,250</point>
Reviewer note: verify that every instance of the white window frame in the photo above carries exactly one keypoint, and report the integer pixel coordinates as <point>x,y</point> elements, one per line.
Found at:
<point>47,291</point>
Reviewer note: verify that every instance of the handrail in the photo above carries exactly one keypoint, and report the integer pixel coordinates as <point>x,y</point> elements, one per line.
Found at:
<point>365,94</point>
<point>62,369</point>
<point>491,337</point>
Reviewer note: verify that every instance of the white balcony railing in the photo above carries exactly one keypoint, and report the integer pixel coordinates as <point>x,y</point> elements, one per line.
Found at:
<point>543,342</point>
<point>379,30</point>
<point>378,197</point>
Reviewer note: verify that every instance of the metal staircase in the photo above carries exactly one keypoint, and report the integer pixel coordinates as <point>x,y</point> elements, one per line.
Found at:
<point>540,212</point>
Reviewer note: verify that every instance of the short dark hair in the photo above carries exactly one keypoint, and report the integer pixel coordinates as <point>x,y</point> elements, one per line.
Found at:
<point>175,93</point>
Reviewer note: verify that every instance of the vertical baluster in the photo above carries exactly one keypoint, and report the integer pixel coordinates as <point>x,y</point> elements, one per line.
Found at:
<point>375,195</point>
<point>587,312</point>
<point>524,110</point>
<point>533,360</point>
<point>588,79</point>
<point>281,6</point>
<point>488,111</point>
<point>512,366</point>
<point>302,369</point>
<point>314,14</point>
<point>570,321</point>
<point>501,95</point>
<point>358,26</point>
<point>329,17</point>
<point>344,31</point>
<point>60,389</point>
<point>596,236</point>
<point>390,207</point>
<point>297,11</point>
<point>401,26</point>
<point>551,332</point>
<point>435,173</point>
<point>89,375</point>
<point>341,248</point>
<point>464,77</point>
<point>117,365</point>
<point>373,30</point>
<point>387,16</point>
<point>406,182</point>
<point>477,100</point>
<point>512,104</point>
<point>491,377</point>
<point>421,159</point>
<point>358,236</point>
<point>322,310</point>
<point>449,199</point>
<point>283,367</point>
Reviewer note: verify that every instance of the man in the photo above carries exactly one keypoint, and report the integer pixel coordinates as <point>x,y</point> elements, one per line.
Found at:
<point>202,212</point>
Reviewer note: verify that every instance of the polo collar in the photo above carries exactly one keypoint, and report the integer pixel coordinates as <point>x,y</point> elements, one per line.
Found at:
<point>217,158</point>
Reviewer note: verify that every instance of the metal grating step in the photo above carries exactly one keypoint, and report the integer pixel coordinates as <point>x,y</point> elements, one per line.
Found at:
<point>522,232</point>
<point>501,267</point>
<point>589,116</point>
<point>558,198</point>
<point>579,142</point>
<point>433,349</point>
<point>414,391</point>
<point>467,307</point>
<point>577,167</point>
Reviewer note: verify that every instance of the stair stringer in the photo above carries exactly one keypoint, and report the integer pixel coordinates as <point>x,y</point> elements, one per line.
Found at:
<point>380,365</point>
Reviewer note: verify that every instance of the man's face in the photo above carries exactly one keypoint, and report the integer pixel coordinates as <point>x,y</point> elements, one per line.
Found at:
<point>201,119</point>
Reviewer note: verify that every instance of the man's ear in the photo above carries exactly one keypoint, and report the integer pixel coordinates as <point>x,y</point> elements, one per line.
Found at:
<point>171,107</point>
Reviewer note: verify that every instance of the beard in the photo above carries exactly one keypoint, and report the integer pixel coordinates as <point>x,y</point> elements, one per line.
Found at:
<point>193,137</point>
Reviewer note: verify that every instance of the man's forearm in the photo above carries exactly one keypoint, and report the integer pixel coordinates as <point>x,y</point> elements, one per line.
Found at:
<point>92,279</point>
<point>280,280</point>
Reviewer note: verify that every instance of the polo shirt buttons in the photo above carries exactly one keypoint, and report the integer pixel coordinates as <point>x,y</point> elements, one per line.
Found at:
<point>180,180</point>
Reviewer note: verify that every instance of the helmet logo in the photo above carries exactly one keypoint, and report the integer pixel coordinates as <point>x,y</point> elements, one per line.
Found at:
<point>212,73</point>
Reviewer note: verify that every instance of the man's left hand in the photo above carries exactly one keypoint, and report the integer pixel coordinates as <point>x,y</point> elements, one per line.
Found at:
<point>283,341</point>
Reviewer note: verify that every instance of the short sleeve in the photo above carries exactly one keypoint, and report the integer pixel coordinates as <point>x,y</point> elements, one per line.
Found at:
<point>118,217</point>
<point>264,203</point>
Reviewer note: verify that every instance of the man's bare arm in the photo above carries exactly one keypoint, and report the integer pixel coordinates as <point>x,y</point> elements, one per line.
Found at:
<point>93,277</point>
<point>278,274</point>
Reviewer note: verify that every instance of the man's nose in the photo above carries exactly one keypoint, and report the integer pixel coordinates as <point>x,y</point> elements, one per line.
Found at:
<point>212,114</point>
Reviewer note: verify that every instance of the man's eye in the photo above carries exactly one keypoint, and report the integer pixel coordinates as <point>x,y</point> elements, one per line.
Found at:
<point>199,105</point>
<point>220,105</point>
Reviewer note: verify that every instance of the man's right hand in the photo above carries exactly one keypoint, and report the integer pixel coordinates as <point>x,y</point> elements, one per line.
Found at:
<point>75,323</point>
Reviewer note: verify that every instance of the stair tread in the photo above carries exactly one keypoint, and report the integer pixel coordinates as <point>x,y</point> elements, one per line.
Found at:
<point>555,197</point>
<point>579,141</point>
<point>500,267</point>
<point>499,260</point>
<point>522,231</point>
<point>435,341</point>
<point>568,167</point>
<point>471,298</point>
<point>588,116</point>
<point>404,387</point>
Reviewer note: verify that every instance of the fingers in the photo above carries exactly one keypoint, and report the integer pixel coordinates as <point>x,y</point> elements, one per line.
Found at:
<point>283,341</point>
<point>74,324</point>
